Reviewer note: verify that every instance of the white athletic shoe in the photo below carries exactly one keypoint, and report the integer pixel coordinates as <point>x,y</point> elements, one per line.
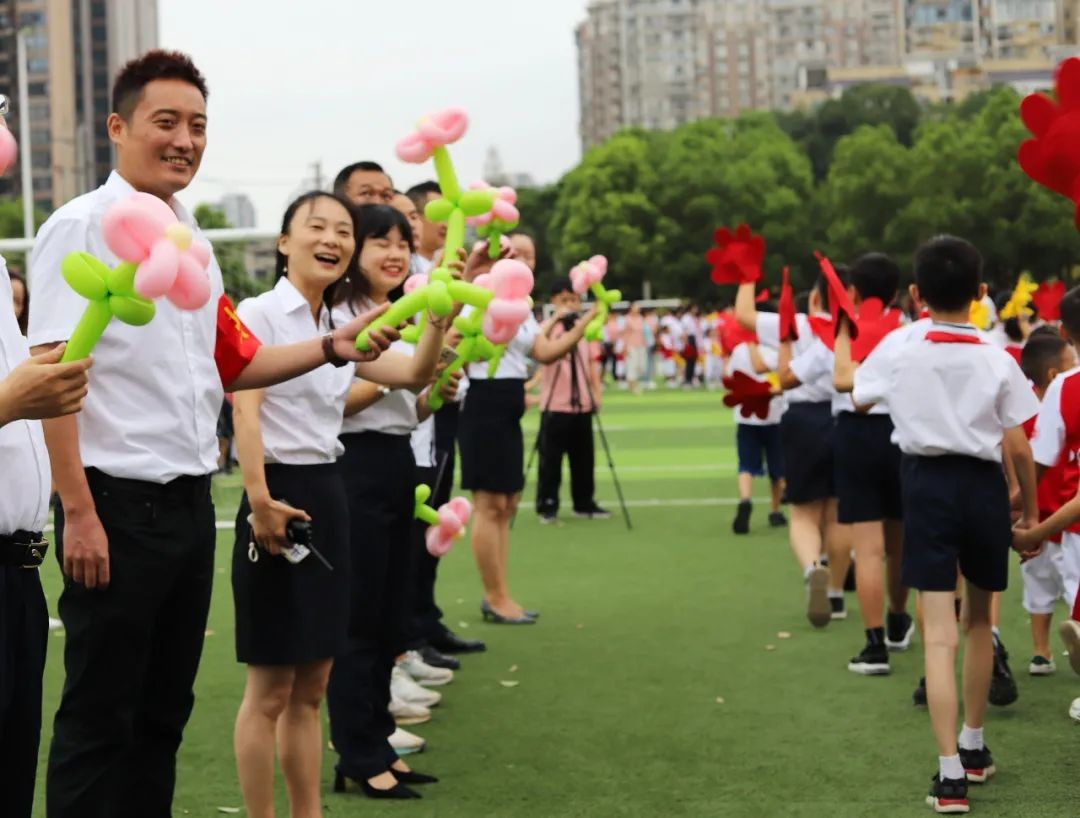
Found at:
<point>1070,635</point>
<point>1074,710</point>
<point>406,713</point>
<point>404,687</point>
<point>423,673</point>
<point>818,609</point>
<point>406,743</point>
<point>1041,666</point>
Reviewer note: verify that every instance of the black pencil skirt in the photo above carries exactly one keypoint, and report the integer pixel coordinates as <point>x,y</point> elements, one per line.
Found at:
<point>489,435</point>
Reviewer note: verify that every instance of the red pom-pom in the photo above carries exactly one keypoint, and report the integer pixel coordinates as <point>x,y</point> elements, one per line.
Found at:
<point>737,257</point>
<point>752,396</point>
<point>1052,158</point>
<point>1047,300</point>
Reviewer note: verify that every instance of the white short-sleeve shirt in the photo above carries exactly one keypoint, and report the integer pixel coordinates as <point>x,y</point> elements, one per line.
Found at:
<point>767,328</point>
<point>24,491</point>
<point>515,360</point>
<point>393,414</point>
<point>946,398</point>
<point>300,418</point>
<point>155,392</point>
<point>422,440</point>
<point>740,362</point>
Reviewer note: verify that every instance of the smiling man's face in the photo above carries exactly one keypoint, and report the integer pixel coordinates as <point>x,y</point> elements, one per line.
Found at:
<point>160,145</point>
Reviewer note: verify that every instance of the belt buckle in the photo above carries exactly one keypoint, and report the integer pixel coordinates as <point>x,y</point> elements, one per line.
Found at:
<point>34,554</point>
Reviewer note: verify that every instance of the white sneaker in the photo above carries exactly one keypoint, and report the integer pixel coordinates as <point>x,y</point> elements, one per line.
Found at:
<point>406,743</point>
<point>1041,666</point>
<point>1074,710</point>
<point>1070,635</point>
<point>404,687</point>
<point>406,714</point>
<point>423,673</point>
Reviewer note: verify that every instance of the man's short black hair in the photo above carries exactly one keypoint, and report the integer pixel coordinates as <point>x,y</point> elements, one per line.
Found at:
<point>875,275</point>
<point>562,285</point>
<point>1070,313</point>
<point>1041,353</point>
<point>157,64</point>
<point>341,181</point>
<point>948,272</point>
<point>419,193</point>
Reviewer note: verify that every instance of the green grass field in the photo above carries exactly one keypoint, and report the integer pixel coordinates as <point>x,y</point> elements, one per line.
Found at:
<point>657,682</point>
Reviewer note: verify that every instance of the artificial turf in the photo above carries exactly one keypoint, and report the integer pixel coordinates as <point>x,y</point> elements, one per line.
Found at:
<point>673,671</point>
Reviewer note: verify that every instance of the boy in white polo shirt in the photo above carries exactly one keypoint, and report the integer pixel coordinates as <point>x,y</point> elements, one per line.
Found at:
<point>956,403</point>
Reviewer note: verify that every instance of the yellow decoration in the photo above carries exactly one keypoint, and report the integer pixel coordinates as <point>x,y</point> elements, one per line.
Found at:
<point>979,315</point>
<point>1017,307</point>
<point>773,379</point>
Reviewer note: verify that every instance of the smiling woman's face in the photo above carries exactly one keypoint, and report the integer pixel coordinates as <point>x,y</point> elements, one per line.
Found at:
<point>320,243</point>
<point>384,262</point>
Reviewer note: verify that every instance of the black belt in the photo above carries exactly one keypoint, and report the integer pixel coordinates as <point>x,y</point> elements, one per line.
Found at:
<point>23,549</point>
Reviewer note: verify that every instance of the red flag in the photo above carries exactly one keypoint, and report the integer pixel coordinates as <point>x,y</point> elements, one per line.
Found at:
<point>751,395</point>
<point>737,257</point>
<point>789,328</point>
<point>839,300</point>
<point>236,345</point>
<point>1047,300</point>
<point>874,322</point>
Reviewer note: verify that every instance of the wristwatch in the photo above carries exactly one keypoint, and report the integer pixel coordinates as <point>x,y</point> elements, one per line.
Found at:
<point>328,350</point>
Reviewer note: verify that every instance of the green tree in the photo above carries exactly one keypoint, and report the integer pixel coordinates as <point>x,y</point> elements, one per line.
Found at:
<point>11,227</point>
<point>537,204</point>
<point>230,256</point>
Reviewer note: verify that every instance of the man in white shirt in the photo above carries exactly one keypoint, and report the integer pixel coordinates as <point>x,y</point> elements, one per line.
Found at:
<point>30,389</point>
<point>136,534</point>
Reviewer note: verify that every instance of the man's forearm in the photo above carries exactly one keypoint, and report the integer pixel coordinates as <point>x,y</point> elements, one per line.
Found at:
<point>69,475</point>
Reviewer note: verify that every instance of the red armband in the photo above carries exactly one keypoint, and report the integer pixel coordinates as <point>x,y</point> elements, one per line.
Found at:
<point>236,345</point>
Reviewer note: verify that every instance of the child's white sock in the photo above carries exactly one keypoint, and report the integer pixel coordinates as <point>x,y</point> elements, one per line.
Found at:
<point>996,631</point>
<point>971,738</point>
<point>951,768</point>
<point>836,594</point>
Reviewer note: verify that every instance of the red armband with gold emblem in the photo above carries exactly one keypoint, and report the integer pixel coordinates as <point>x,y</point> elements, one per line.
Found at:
<point>236,345</point>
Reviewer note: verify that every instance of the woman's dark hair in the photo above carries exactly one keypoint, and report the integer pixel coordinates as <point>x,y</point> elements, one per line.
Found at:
<point>23,316</point>
<point>153,65</point>
<point>373,221</point>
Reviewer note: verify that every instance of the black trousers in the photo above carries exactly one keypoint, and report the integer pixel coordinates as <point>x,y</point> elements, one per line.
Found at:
<point>426,615</point>
<point>131,651</point>
<point>565,433</point>
<point>379,472</point>
<point>24,632</point>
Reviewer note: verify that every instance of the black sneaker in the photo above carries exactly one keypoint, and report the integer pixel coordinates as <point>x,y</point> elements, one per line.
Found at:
<point>836,603</point>
<point>899,628</point>
<point>873,661</point>
<point>1003,690</point>
<point>978,764</point>
<point>777,519</point>
<point>741,525</point>
<point>948,796</point>
<point>594,513</point>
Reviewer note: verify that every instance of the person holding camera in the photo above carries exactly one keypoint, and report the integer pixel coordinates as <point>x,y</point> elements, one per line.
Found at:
<point>569,394</point>
<point>291,573</point>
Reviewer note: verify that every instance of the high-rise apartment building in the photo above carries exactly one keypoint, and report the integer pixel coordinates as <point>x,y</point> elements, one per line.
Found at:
<point>659,63</point>
<point>73,48</point>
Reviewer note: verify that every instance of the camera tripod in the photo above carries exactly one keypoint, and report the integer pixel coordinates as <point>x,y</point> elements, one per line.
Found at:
<point>575,362</point>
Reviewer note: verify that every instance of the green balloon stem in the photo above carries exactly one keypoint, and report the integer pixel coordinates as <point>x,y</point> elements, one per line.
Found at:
<point>444,169</point>
<point>493,364</point>
<point>88,331</point>
<point>466,293</point>
<point>401,310</point>
<point>455,235</point>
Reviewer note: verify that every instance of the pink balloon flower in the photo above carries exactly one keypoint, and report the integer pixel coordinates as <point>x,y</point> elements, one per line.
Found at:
<point>435,131</point>
<point>512,283</point>
<point>453,517</point>
<point>8,149</point>
<point>415,281</point>
<point>504,209</point>
<point>588,273</point>
<point>143,230</point>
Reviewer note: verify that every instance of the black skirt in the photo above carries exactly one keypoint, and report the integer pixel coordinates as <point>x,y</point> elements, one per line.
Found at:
<point>489,434</point>
<point>294,614</point>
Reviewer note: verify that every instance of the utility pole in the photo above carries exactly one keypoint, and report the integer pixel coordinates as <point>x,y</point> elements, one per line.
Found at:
<point>24,136</point>
<point>317,167</point>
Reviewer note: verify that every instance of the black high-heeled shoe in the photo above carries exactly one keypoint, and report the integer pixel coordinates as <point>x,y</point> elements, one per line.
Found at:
<point>496,618</point>
<point>413,777</point>
<point>398,791</point>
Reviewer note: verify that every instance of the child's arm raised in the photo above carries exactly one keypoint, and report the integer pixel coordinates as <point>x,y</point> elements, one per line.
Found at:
<point>746,307</point>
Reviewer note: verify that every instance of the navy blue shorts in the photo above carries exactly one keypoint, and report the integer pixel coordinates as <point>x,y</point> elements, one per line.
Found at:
<point>867,469</point>
<point>957,514</point>
<point>756,444</point>
<point>806,434</point>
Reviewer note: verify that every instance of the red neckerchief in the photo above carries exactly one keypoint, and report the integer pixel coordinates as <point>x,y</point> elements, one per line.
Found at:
<point>945,336</point>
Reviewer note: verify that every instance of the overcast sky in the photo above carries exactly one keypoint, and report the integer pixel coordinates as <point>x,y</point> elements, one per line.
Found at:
<point>298,81</point>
